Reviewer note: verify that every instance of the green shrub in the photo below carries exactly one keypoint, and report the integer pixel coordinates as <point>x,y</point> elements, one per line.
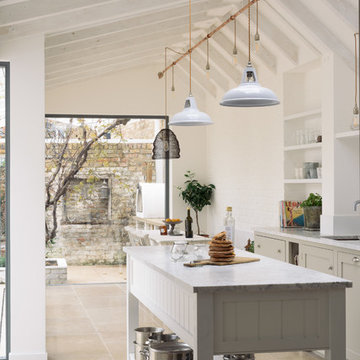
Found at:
<point>312,200</point>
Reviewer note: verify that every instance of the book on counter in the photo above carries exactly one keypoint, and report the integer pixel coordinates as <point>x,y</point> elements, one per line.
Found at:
<point>291,214</point>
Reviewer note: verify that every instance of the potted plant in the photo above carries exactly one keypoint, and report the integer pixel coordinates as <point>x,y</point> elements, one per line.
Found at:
<point>312,210</point>
<point>196,195</point>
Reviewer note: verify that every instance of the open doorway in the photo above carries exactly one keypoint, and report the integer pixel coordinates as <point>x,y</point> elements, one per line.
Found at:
<point>95,166</point>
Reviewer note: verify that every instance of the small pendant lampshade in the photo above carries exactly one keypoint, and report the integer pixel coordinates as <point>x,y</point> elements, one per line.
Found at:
<point>190,116</point>
<point>249,93</point>
<point>166,145</point>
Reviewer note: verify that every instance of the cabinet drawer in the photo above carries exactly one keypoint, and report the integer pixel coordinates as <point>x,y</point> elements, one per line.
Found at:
<point>273,248</point>
<point>318,259</point>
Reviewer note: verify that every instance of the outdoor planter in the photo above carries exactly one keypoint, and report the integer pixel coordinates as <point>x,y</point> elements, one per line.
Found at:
<point>56,271</point>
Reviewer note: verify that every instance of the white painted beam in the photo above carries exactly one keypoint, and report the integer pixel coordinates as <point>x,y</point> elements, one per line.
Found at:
<point>138,34</point>
<point>96,71</point>
<point>198,77</point>
<point>346,11</point>
<point>120,9</point>
<point>39,9</point>
<point>314,23</point>
<point>129,24</point>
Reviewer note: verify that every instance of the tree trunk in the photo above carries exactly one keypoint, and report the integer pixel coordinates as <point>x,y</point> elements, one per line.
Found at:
<point>197,221</point>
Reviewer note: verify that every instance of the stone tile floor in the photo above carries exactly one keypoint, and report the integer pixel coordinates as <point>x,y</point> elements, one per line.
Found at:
<point>88,321</point>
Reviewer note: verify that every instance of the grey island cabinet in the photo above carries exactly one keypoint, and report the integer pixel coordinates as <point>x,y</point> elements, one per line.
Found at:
<point>310,250</point>
<point>264,306</point>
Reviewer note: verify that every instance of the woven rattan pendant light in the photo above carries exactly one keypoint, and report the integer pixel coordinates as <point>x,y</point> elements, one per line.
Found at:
<point>166,145</point>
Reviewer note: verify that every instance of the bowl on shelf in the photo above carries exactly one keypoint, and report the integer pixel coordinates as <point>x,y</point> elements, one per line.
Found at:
<point>172,223</point>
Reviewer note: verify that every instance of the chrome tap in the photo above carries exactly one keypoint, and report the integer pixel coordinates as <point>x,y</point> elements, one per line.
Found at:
<point>356,204</point>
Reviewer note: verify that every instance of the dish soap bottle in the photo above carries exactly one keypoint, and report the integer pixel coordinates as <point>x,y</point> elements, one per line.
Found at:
<point>188,225</point>
<point>229,223</point>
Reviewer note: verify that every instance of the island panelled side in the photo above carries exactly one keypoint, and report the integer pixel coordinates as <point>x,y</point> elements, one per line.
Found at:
<point>328,256</point>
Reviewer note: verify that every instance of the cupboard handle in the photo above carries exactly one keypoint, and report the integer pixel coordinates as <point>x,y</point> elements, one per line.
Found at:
<point>258,246</point>
<point>279,251</point>
<point>331,268</point>
<point>356,259</point>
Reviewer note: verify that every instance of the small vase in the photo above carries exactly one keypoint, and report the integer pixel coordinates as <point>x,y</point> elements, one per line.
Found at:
<point>312,217</point>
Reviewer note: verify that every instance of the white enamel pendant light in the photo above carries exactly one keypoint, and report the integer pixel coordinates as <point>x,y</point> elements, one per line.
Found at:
<point>249,93</point>
<point>191,115</point>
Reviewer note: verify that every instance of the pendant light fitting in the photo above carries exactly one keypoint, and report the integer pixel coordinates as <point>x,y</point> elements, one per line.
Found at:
<point>249,93</point>
<point>355,119</point>
<point>190,116</point>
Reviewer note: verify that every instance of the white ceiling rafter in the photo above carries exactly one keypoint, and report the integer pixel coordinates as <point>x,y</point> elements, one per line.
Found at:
<point>131,23</point>
<point>316,27</point>
<point>346,11</point>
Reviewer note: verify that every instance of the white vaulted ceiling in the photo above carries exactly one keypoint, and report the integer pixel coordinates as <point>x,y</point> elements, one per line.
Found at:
<point>88,38</point>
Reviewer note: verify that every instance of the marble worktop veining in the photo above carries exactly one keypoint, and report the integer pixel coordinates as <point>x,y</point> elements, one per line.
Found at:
<point>266,274</point>
<point>310,236</point>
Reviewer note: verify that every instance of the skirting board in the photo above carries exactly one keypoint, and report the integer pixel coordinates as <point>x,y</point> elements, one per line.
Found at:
<point>26,356</point>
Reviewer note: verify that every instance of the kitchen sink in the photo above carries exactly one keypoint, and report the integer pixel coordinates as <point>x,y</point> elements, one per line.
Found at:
<point>343,237</point>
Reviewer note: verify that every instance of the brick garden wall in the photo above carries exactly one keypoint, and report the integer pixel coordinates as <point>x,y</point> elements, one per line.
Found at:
<point>122,165</point>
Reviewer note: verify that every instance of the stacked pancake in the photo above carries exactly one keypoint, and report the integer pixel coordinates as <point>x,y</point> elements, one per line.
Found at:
<point>221,250</point>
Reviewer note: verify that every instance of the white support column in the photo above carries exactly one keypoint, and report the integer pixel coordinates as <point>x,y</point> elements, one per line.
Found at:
<point>27,177</point>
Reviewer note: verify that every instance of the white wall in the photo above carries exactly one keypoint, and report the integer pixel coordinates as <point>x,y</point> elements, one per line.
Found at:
<point>27,243</point>
<point>245,162</point>
<point>138,92</point>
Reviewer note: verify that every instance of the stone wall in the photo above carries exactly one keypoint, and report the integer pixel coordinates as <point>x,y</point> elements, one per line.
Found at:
<point>122,165</point>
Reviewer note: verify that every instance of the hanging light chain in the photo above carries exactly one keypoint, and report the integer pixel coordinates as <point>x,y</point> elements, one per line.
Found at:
<point>356,108</point>
<point>249,38</point>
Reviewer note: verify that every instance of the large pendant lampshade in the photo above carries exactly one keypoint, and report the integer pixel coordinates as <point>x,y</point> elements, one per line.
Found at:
<point>249,93</point>
<point>190,116</point>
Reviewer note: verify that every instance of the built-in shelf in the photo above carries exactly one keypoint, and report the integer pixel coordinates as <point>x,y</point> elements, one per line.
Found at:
<point>348,134</point>
<point>303,147</point>
<point>303,114</point>
<point>303,181</point>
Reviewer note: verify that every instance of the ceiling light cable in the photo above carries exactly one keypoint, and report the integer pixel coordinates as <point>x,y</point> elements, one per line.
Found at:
<point>257,35</point>
<point>207,67</point>
<point>235,51</point>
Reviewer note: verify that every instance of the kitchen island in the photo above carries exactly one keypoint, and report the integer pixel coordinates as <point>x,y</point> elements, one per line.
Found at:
<point>265,306</point>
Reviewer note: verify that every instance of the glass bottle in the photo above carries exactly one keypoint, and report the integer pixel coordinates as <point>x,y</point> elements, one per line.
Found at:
<point>188,225</point>
<point>229,223</point>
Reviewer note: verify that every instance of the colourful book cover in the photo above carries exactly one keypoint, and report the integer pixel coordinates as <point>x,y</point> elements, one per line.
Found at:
<point>293,214</point>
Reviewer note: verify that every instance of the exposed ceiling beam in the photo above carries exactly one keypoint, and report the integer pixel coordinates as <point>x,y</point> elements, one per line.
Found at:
<point>263,54</point>
<point>347,11</point>
<point>120,9</point>
<point>326,36</point>
<point>39,9</point>
<point>113,50</point>
<point>120,55</point>
<point>70,51</point>
<point>269,30</point>
<point>198,77</point>
<point>92,71</point>
<point>129,24</point>
<point>10,2</point>
<point>140,34</point>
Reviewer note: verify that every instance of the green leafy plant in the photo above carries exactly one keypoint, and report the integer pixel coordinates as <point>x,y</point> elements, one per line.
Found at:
<point>194,194</point>
<point>312,200</point>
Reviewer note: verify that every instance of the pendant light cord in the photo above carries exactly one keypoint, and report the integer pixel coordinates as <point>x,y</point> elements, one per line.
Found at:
<point>356,71</point>
<point>165,83</point>
<point>257,17</point>
<point>249,29</point>
<point>190,47</point>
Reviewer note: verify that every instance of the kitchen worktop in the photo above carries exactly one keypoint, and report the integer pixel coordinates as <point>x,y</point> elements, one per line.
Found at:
<point>266,274</point>
<point>311,236</point>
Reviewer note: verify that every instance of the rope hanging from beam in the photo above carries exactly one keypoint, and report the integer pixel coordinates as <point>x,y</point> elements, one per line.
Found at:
<point>208,36</point>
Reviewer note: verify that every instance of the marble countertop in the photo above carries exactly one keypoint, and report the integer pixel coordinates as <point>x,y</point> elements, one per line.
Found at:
<point>311,236</point>
<point>266,274</point>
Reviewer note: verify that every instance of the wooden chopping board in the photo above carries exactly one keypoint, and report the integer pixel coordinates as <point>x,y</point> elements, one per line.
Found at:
<point>236,260</point>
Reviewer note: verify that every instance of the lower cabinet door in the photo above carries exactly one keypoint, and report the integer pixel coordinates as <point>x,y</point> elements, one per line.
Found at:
<point>349,268</point>
<point>318,259</point>
<point>273,248</point>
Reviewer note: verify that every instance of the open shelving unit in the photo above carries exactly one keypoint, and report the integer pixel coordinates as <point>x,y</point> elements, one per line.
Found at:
<point>302,115</point>
<point>353,134</point>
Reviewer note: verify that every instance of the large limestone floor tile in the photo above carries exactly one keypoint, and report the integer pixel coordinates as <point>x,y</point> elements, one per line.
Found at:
<point>98,290</point>
<point>117,348</point>
<point>67,311</point>
<point>76,347</point>
<point>96,274</point>
<point>100,302</point>
<point>66,326</point>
